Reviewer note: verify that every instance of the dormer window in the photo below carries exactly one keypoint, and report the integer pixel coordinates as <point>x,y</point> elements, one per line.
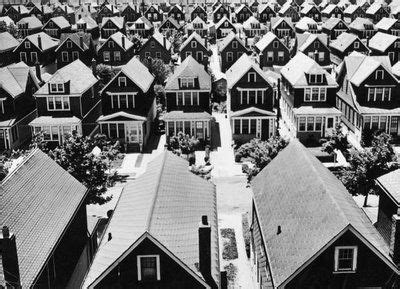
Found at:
<point>315,78</point>
<point>122,81</point>
<point>194,44</point>
<point>27,45</point>
<point>251,77</point>
<point>56,87</point>
<point>187,82</point>
<point>379,74</point>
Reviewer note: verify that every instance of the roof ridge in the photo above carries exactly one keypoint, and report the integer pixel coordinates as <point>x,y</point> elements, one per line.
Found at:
<point>150,216</point>
<point>25,159</point>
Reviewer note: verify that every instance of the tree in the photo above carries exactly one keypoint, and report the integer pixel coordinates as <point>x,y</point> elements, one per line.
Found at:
<point>183,144</point>
<point>176,39</point>
<point>137,42</point>
<point>367,165</point>
<point>105,73</point>
<point>76,156</point>
<point>256,38</point>
<point>13,30</point>
<point>337,141</point>
<point>260,153</point>
<point>158,68</point>
<point>3,26</point>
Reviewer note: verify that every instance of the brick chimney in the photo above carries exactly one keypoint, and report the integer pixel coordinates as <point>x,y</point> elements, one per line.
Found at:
<point>205,248</point>
<point>81,41</point>
<point>395,240</point>
<point>94,66</point>
<point>66,9</point>
<point>123,41</point>
<point>38,73</point>
<point>39,40</point>
<point>165,42</point>
<point>9,258</point>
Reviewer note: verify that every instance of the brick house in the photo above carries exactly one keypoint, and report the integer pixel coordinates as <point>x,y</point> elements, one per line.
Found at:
<point>351,253</point>
<point>314,46</point>
<point>111,25</point>
<point>142,27</point>
<point>56,26</point>
<point>250,101</point>
<point>197,47</point>
<point>8,44</point>
<point>67,102</point>
<point>272,51</point>
<point>344,44</point>
<point>331,11</point>
<point>333,27</point>
<point>157,46</point>
<point>385,44</point>
<point>116,50</point>
<point>230,49</point>
<point>75,46</point>
<point>308,99</point>
<point>29,25</point>
<point>128,106</point>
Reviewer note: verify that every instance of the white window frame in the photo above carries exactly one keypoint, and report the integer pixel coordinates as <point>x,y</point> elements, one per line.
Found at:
<point>34,56</point>
<point>356,45</point>
<point>234,44</point>
<point>355,252</point>
<point>191,98</point>
<point>27,45</point>
<point>121,79</point>
<point>22,56</point>
<point>381,72</point>
<point>53,97</point>
<point>2,104</point>
<point>126,95</point>
<point>193,44</point>
<point>57,90</point>
<point>75,55</point>
<point>275,44</point>
<point>185,81</point>
<point>139,269</point>
<point>248,76</point>
<point>117,56</point>
<point>69,43</point>
<point>108,54</point>
<point>374,89</point>
<point>309,90</point>
<point>64,56</point>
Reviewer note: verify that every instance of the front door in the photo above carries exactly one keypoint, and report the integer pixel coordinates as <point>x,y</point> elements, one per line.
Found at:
<point>199,130</point>
<point>133,132</point>
<point>330,125</point>
<point>264,129</point>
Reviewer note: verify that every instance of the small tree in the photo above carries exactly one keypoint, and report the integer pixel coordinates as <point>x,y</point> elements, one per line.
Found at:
<point>105,73</point>
<point>176,39</point>
<point>3,26</point>
<point>367,165</point>
<point>13,30</point>
<point>158,68</point>
<point>183,144</point>
<point>137,42</point>
<point>256,38</point>
<point>338,140</point>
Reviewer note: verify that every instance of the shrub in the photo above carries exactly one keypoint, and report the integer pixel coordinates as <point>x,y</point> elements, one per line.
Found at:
<point>246,233</point>
<point>229,251</point>
<point>231,272</point>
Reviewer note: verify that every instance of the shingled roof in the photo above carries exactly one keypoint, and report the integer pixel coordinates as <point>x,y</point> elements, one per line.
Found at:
<point>311,206</point>
<point>390,182</point>
<point>7,41</point>
<point>152,204</point>
<point>13,78</point>
<point>32,21</point>
<point>38,201</point>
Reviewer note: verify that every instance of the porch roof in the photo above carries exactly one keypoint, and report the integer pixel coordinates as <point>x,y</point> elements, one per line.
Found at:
<point>120,114</point>
<point>382,111</point>
<point>7,123</point>
<point>180,115</point>
<point>252,111</point>
<point>309,110</point>
<point>49,120</point>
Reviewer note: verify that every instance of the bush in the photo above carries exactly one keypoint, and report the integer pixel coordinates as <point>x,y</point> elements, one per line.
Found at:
<point>246,233</point>
<point>231,272</point>
<point>229,251</point>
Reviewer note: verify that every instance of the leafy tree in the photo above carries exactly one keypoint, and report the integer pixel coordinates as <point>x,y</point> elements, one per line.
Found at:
<point>260,153</point>
<point>105,73</point>
<point>3,26</point>
<point>13,30</point>
<point>256,38</point>
<point>137,42</point>
<point>176,39</point>
<point>367,165</point>
<point>76,156</point>
<point>183,144</point>
<point>338,140</point>
<point>158,68</point>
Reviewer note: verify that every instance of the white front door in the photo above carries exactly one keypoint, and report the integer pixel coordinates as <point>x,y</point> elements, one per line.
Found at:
<point>329,125</point>
<point>133,132</point>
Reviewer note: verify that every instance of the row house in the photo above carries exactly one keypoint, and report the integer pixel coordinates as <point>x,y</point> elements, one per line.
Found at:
<point>362,27</point>
<point>29,25</point>
<point>266,12</point>
<point>331,11</point>
<point>385,44</point>
<point>188,92</point>
<point>312,12</point>
<point>16,12</point>
<point>8,44</point>
<point>197,25</point>
<point>352,12</point>
<point>154,13</point>
<point>314,46</point>
<point>142,27</point>
<point>169,25</point>
<point>376,12</point>
<point>17,106</point>
<point>272,51</point>
<point>282,27</point>
<point>108,11</point>
<point>67,102</point>
<point>289,11</point>
<point>198,11</point>
<point>197,47</point>
<point>112,25</point>
<point>65,11</point>
<point>130,13</point>
<point>176,12</point>
<point>253,5</point>
<point>333,27</point>
<point>306,24</point>
<point>128,106</point>
<point>151,256</point>
<point>389,26</point>
<point>88,25</point>
<point>352,252</point>
<point>367,95</point>
<point>39,47</point>
<point>308,99</point>
<point>344,44</point>
<point>56,26</point>
<point>26,262</point>
<point>75,46</point>
<point>116,50</point>
<point>224,27</point>
<point>250,101</point>
<point>242,13</point>
<point>253,27</point>
<point>157,46</point>
<point>87,10</point>
<point>42,12</point>
<point>230,49</point>
<point>221,11</point>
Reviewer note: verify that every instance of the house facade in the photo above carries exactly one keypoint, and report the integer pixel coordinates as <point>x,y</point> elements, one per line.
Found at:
<point>142,27</point>
<point>344,44</point>
<point>111,25</point>
<point>154,14</point>
<point>198,11</point>
<point>266,12</point>
<point>57,25</point>
<point>230,49</point>
<point>333,27</point>
<point>197,25</point>
<point>242,13</point>
<point>282,27</point>
<point>314,46</point>
<point>197,47</point>
<point>272,51</point>
<point>220,12</point>
<point>157,46</point>
<point>224,27</point>
<point>116,50</point>
<point>385,44</point>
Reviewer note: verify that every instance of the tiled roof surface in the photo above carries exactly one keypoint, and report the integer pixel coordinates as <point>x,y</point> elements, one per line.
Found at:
<point>38,201</point>
<point>33,22</point>
<point>189,68</point>
<point>153,203</point>
<point>14,77</point>
<point>7,41</point>
<point>381,41</point>
<point>80,76</point>
<point>299,194</point>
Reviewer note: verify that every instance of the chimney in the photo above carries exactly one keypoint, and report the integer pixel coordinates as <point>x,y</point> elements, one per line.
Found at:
<point>316,55</point>
<point>395,239</point>
<point>165,41</point>
<point>94,67</point>
<point>38,73</point>
<point>88,8</point>
<point>81,41</point>
<point>43,9</point>
<point>66,9</point>
<point>39,40</point>
<point>245,41</point>
<point>206,42</point>
<point>123,41</point>
<point>205,248</point>
<point>9,258</point>
<point>367,41</point>
<point>205,60</point>
<point>19,9</point>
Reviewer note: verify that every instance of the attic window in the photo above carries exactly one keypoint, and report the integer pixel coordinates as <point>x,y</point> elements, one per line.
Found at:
<point>275,44</point>
<point>251,77</point>
<point>316,44</point>
<point>27,44</point>
<point>111,44</point>
<point>234,44</point>
<point>69,44</point>
<point>356,45</point>
<point>152,44</point>
<point>345,258</point>
<point>121,81</point>
<point>57,87</point>
<point>379,74</point>
<point>187,82</point>
<point>226,24</point>
<point>315,78</point>
<point>148,267</point>
<point>194,44</point>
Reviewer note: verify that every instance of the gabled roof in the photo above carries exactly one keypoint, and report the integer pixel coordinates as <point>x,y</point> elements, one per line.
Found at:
<point>156,7</point>
<point>39,200</point>
<point>172,21</point>
<point>77,73</point>
<point>285,7</point>
<point>7,41</point>
<point>228,39</point>
<point>117,38</point>
<point>90,22</point>
<point>152,205</point>
<point>351,9</point>
<point>373,8</point>
<point>44,8</point>
<point>386,23</point>
<point>142,19</point>
<point>296,69</point>
<point>267,40</point>
<point>262,7</point>
<point>304,40</point>
<point>381,41</point>
<point>14,77</point>
<point>119,114</point>
<point>33,22</point>
<point>21,9</point>
<point>304,23</point>
<point>118,21</point>
<point>192,36</point>
<point>312,208</point>
<point>7,20</point>
<point>390,183</point>
<point>332,22</point>
<point>76,38</point>
<point>160,39</point>
<point>196,20</point>
<point>329,9</point>
<point>275,21</point>
<point>307,8</point>
<point>47,41</point>
<point>221,21</point>
<point>60,21</point>
<point>189,68</point>
<point>111,8</point>
<point>343,41</point>
<point>360,23</point>
<point>240,68</point>
<point>253,20</point>
<point>65,7</point>
<point>241,7</point>
<point>137,72</point>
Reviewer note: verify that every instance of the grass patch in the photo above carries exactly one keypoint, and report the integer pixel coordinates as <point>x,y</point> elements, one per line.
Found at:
<point>246,233</point>
<point>229,251</point>
<point>231,273</point>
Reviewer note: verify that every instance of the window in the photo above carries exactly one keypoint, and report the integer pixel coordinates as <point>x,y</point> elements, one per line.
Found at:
<point>27,44</point>
<point>111,44</point>
<point>57,87</point>
<point>122,81</point>
<point>234,44</point>
<point>122,100</point>
<point>270,56</point>
<point>148,267</point>
<point>64,56</point>
<point>302,124</point>
<point>280,56</point>
<point>147,54</point>
<point>106,56</point>
<point>69,44</point>
<point>251,77</point>
<point>2,105</point>
<point>310,123</point>
<point>318,123</point>
<point>34,57</point>
<point>379,94</point>
<point>237,126</point>
<point>229,57</point>
<point>58,103</point>
<point>379,74</point>
<point>75,55</point>
<point>158,54</point>
<point>187,82</point>
<point>321,56</point>
<point>194,44</point>
<point>152,44</point>
<point>117,56</point>
<point>275,44</point>
<point>356,45</point>
<point>187,98</point>
<point>22,56</point>
<point>316,44</point>
<point>315,94</point>
<point>345,258</point>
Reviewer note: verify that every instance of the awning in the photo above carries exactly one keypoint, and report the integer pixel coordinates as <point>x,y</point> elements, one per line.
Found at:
<point>180,115</point>
<point>309,110</point>
<point>121,114</point>
<point>49,120</point>
<point>252,111</point>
